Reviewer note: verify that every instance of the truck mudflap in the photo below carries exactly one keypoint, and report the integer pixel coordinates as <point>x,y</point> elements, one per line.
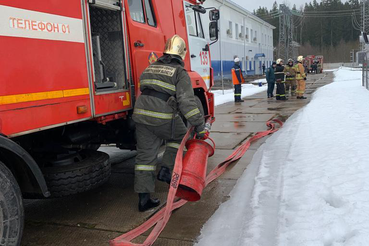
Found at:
<point>34,181</point>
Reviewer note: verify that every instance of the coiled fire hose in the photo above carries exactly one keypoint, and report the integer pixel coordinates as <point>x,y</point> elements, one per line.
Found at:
<point>161,218</point>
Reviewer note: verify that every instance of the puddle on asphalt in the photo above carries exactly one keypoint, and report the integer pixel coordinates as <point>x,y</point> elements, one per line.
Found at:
<point>274,109</point>
<point>238,124</point>
<point>243,116</point>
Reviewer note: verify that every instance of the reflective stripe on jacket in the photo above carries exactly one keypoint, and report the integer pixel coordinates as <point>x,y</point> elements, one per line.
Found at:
<point>167,75</point>
<point>300,71</point>
<point>290,72</point>
<point>279,74</point>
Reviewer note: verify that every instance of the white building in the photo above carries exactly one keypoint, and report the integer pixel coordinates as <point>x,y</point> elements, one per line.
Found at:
<point>241,34</point>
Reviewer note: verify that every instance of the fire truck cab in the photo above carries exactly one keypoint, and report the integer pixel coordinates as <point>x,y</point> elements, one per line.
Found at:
<point>69,77</point>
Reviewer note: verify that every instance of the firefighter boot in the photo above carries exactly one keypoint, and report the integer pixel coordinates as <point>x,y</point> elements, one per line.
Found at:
<point>164,175</point>
<point>145,202</point>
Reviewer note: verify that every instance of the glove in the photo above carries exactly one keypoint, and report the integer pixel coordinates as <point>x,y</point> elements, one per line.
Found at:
<point>202,132</point>
<point>305,78</point>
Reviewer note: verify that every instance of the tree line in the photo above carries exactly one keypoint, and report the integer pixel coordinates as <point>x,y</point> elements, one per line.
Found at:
<point>330,27</point>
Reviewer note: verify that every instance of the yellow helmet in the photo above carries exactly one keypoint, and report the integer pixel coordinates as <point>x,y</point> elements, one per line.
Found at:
<point>176,46</point>
<point>300,58</point>
<point>279,61</point>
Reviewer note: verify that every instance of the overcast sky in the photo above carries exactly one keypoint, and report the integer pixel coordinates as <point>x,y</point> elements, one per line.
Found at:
<point>254,4</point>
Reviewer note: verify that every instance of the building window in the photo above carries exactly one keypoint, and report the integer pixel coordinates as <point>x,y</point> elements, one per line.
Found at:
<point>229,30</point>
<point>252,35</point>
<point>266,40</point>
<point>256,37</point>
<point>236,31</point>
<point>242,34</point>
<point>247,34</point>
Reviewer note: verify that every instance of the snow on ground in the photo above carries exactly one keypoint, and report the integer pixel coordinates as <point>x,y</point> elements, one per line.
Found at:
<point>247,90</point>
<point>308,185</point>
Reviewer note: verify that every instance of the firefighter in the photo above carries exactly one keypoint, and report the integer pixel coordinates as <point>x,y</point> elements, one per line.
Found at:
<point>270,77</point>
<point>280,80</point>
<point>237,79</point>
<point>166,91</point>
<point>290,72</point>
<point>300,77</point>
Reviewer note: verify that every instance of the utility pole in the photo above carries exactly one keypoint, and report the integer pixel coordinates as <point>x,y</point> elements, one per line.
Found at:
<point>364,19</point>
<point>282,33</point>
<point>286,35</point>
<point>286,28</point>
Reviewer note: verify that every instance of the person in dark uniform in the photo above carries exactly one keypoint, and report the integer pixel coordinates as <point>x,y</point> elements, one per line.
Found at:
<point>263,68</point>
<point>280,80</point>
<point>166,92</point>
<point>270,77</point>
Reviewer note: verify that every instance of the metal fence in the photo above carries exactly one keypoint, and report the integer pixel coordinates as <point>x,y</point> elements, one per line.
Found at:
<point>365,75</point>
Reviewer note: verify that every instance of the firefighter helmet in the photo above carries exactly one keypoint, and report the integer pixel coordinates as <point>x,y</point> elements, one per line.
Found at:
<point>279,61</point>
<point>236,60</point>
<point>300,58</point>
<point>176,46</point>
<point>290,60</point>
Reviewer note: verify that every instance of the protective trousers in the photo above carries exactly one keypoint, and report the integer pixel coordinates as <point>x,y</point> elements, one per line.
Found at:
<point>281,92</point>
<point>270,89</point>
<point>291,84</point>
<point>300,88</point>
<point>237,92</point>
<point>149,140</point>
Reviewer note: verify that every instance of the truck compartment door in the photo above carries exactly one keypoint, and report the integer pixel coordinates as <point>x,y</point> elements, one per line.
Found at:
<point>109,58</point>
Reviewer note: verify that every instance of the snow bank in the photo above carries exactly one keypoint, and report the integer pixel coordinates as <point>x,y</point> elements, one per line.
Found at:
<point>247,90</point>
<point>309,183</point>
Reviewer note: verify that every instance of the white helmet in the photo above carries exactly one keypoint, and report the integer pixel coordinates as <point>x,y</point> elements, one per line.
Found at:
<point>300,58</point>
<point>236,60</point>
<point>279,61</point>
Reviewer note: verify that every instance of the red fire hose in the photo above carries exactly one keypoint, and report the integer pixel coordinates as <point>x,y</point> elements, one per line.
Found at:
<point>161,218</point>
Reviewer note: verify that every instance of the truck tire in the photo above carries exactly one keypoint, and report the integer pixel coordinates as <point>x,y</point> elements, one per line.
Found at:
<point>89,173</point>
<point>11,209</point>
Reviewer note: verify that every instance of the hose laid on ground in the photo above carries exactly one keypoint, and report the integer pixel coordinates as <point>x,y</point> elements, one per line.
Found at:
<point>161,218</point>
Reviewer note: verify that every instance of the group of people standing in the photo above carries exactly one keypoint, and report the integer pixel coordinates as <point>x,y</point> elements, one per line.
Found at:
<point>290,79</point>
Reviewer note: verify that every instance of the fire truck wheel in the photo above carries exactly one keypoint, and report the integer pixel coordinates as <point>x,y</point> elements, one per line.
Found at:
<point>11,209</point>
<point>89,173</point>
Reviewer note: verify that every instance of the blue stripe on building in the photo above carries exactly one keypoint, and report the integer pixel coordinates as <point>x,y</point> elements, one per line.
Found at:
<point>227,68</point>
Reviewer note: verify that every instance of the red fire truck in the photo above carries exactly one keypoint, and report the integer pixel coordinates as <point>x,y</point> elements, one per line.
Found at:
<point>314,63</point>
<point>69,77</point>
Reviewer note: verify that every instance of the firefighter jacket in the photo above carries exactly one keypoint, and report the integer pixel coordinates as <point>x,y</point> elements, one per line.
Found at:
<point>237,77</point>
<point>279,74</point>
<point>166,76</point>
<point>300,71</point>
<point>290,72</point>
<point>270,76</point>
